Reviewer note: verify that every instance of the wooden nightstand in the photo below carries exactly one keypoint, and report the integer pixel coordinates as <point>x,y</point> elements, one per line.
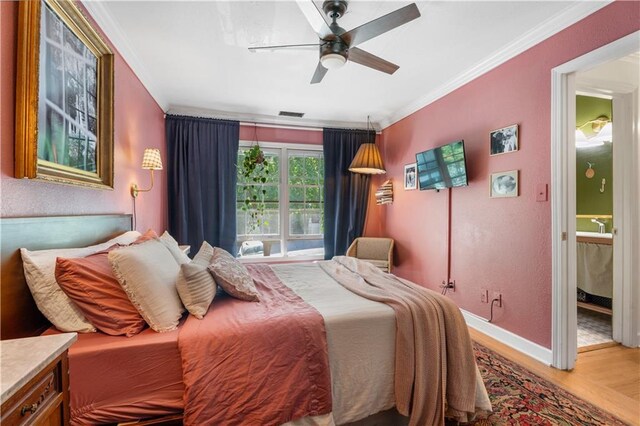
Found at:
<point>35,380</point>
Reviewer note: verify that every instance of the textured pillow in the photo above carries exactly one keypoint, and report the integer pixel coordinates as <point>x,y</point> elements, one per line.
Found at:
<point>147,272</point>
<point>196,285</point>
<point>90,283</point>
<point>173,247</point>
<point>39,270</point>
<point>232,276</point>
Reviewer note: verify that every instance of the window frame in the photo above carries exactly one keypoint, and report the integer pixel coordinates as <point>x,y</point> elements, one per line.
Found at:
<point>284,148</point>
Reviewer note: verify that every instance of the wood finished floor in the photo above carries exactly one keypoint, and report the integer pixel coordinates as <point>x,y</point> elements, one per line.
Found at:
<point>609,378</point>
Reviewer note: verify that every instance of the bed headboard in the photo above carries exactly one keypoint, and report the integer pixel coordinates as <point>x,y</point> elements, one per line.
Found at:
<point>19,316</point>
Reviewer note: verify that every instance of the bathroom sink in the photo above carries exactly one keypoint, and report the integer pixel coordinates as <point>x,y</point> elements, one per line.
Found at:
<point>594,235</point>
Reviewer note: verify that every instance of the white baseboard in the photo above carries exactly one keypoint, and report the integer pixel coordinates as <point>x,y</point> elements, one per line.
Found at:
<point>510,339</point>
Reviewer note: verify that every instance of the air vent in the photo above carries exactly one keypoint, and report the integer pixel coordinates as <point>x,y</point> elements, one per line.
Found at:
<point>291,114</point>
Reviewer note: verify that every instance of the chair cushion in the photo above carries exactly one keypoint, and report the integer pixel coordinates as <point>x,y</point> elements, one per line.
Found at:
<point>373,248</point>
<point>382,264</point>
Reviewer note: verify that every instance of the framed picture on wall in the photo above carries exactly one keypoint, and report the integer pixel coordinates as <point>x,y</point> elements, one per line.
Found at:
<point>504,184</point>
<point>64,102</point>
<point>504,140</point>
<point>410,176</point>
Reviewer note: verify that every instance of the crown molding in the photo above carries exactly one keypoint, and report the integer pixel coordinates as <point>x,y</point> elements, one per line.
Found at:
<point>121,43</point>
<point>548,28</point>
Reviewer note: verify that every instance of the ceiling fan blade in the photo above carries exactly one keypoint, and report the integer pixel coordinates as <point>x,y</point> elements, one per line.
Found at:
<point>315,17</point>
<point>308,46</point>
<point>381,25</point>
<point>319,74</point>
<point>372,61</point>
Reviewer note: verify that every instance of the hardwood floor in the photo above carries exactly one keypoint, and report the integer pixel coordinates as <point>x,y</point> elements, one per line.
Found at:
<point>609,378</point>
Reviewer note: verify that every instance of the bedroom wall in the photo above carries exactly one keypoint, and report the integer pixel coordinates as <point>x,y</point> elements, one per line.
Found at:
<point>497,244</point>
<point>138,124</point>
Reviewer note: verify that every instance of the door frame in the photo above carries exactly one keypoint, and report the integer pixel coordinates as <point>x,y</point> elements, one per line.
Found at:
<point>563,207</point>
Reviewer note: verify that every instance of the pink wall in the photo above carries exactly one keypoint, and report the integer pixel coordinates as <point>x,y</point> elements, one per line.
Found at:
<point>272,134</point>
<point>498,244</point>
<point>139,124</point>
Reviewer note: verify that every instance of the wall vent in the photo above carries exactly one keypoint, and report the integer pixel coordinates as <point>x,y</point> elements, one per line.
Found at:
<point>291,114</point>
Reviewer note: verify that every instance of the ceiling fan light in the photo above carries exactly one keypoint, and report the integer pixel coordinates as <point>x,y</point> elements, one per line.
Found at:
<point>332,61</point>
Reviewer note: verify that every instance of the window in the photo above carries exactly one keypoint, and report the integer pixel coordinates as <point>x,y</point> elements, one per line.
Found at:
<point>293,219</point>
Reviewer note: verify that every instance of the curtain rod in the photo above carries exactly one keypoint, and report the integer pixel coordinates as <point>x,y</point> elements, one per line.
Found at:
<point>292,126</point>
<point>281,126</point>
<point>270,125</point>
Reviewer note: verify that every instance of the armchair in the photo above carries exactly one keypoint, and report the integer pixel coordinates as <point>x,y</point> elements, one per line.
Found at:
<point>378,251</point>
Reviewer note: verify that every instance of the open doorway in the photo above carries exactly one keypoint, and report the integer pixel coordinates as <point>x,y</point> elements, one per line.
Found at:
<point>594,144</point>
<point>592,74</point>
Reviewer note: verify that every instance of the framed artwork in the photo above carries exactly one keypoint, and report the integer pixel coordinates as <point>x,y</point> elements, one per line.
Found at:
<point>504,184</point>
<point>64,102</point>
<point>410,176</point>
<point>504,140</point>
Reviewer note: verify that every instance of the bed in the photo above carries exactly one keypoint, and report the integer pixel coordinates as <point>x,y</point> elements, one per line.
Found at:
<point>360,336</point>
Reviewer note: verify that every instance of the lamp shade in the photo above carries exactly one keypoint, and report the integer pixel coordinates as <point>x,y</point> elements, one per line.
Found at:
<point>367,160</point>
<point>151,159</point>
<point>605,134</point>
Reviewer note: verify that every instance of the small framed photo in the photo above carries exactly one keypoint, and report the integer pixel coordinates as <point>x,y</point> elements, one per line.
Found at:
<point>504,184</point>
<point>504,140</point>
<point>410,176</point>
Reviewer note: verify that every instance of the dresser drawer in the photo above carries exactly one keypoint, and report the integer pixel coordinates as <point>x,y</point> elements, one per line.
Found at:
<point>43,400</point>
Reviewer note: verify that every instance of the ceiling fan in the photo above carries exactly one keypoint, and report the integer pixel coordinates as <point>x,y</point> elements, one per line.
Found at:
<point>337,45</point>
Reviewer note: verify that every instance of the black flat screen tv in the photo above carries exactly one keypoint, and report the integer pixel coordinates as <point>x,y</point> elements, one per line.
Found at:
<point>442,167</point>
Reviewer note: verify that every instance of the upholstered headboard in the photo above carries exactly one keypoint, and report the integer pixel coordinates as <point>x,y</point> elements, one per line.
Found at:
<point>19,315</point>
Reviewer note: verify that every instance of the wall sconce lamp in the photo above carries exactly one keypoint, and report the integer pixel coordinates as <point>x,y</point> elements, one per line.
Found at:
<point>602,129</point>
<point>368,160</point>
<point>150,161</point>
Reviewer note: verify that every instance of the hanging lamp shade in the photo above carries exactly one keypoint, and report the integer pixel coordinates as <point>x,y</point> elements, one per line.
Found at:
<point>367,160</point>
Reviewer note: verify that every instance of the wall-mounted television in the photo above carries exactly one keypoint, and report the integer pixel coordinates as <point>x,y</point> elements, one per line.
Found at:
<point>442,167</point>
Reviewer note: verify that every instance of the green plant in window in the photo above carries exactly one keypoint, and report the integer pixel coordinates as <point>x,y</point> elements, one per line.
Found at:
<point>254,171</point>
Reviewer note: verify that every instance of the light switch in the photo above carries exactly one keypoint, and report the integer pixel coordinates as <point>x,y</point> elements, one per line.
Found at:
<point>541,192</point>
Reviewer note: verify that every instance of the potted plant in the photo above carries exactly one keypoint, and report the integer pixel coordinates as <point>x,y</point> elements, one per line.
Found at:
<point>254,171</point>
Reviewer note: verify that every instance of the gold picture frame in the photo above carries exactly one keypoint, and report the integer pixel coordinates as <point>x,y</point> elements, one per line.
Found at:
<point>64,106</point>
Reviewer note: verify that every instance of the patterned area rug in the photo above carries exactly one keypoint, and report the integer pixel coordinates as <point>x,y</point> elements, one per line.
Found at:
<point>519,397</point>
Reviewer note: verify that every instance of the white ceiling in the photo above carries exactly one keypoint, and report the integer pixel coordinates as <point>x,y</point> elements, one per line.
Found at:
<point>193,57</point>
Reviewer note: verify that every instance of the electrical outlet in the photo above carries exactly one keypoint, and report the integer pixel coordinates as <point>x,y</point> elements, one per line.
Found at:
<point>498,296</point>
<point>484,295</point>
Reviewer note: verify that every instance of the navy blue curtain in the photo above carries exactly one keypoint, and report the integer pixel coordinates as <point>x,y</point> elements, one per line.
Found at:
<point>345,193</point>
<point>201,177</point>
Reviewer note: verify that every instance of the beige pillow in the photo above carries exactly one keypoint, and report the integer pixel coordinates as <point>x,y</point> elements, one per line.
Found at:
<point>174,248</point>
<point>148,272</point>
<point>196,285</point>
<point>232,276</point>
<point>39,270</point>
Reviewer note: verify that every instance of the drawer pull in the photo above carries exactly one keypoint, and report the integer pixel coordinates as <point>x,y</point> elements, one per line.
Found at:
<point>34,407</point>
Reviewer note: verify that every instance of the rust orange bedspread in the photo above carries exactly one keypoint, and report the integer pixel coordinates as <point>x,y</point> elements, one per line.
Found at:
<point>267,360</point>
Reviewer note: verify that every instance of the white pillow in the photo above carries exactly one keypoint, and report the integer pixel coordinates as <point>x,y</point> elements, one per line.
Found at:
<point>174,248</point>
<point>39,270</point>
<point>148,273</point>
<point>196,285</point>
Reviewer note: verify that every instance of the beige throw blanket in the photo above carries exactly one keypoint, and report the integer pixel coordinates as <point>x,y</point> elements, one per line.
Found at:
<point>435,371</point>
